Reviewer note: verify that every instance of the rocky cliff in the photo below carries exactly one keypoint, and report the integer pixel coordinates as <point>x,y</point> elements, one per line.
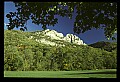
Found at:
<point>47,37</point>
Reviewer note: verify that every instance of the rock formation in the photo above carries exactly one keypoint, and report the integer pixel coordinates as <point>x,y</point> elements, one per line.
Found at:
<point>54,35</point>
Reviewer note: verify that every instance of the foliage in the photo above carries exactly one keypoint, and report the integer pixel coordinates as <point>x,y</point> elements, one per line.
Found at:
<point>88,15</point>
<point>108,46</point>
<point>24,54</point>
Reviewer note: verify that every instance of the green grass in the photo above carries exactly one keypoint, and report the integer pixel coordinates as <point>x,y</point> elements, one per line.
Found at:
<point>107,73</point>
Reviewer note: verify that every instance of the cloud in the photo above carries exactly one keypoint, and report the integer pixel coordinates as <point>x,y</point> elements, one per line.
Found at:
<point>5,24</point>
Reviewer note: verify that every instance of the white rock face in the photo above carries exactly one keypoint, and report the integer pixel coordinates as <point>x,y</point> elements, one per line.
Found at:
<point>73,39</point>
<point>47,42</point>
<point>44,41</point>
<point>58,36</point>
<point>53,34</point>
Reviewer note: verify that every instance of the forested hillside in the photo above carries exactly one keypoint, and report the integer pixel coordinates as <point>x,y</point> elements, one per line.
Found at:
<point>108,46</point>
<point>24,54</point>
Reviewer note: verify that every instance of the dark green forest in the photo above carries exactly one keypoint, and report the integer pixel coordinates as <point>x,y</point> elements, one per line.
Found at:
<point>24,54</point>
<point>108,46</point>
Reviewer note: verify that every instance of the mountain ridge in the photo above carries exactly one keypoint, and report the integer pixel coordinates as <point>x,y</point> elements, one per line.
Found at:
<point>48,37</point>
<point>23,53</point>
<point>54,35</point>
<point>108,46</point>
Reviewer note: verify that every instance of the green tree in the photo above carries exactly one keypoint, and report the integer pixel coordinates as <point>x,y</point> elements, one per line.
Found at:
<point>12,60</point>
<point>88,15</point>
<point>108,46</point>
<point>114,59</point>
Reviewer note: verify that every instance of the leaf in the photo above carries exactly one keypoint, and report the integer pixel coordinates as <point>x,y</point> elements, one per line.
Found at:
<point>113,38</point>
<point>44,27</point>
<point>8,15</point>
<point>108,38</point>
<point>25,28</point>
<point>22,29</point>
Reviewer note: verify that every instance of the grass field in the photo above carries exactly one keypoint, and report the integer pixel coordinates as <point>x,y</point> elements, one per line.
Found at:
<point>107,73</point>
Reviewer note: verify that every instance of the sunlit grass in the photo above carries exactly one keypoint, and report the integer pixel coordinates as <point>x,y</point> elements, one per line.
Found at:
<point>107,73</point>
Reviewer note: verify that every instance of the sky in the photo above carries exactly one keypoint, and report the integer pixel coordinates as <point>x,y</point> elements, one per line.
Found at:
<point>64,25</point>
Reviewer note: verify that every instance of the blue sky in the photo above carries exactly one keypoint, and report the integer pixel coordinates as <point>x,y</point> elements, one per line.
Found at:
<point>64,25</point>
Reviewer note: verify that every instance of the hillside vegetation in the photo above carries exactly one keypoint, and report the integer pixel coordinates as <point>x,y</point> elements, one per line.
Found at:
<point>24,54</point>
<point>108,46</point>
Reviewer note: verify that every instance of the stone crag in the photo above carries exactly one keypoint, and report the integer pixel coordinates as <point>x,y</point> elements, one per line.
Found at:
<point>54,35</point>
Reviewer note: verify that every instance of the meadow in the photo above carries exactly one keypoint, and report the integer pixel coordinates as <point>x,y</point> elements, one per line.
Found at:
<point>104,73</point>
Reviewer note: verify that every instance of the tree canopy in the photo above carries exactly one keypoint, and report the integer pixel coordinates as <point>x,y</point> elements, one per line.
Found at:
<point>88,15</point>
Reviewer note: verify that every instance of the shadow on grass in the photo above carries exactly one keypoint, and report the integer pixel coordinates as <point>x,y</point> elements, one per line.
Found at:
<point>92,73</point>
<point>103,72</point>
